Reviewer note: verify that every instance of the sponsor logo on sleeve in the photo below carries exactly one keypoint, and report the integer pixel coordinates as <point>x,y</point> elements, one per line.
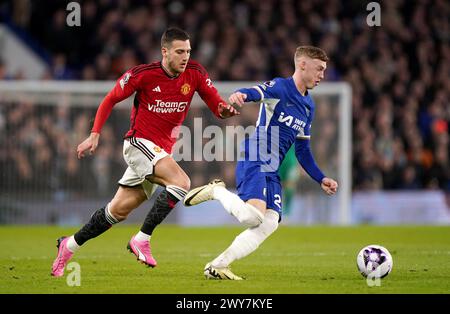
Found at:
<point>269,83</point>
<point>124,80</point>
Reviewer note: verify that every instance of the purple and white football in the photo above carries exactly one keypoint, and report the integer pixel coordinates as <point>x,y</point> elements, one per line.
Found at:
<point>374,261</point>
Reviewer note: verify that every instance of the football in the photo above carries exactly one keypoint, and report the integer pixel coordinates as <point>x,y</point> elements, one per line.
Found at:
<point>374,261</point>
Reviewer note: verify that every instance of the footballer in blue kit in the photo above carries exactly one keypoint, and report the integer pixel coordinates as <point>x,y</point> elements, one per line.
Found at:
<point>285,117</point>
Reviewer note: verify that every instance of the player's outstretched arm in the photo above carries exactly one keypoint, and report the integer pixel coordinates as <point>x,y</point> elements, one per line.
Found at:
<point>243,95</point>
<point>306,160</point>
<point>90,144</point>
<point>329,186</point>
<point>125,86</point>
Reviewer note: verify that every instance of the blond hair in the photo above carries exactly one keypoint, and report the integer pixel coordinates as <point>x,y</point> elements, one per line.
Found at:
<point>312,52</point>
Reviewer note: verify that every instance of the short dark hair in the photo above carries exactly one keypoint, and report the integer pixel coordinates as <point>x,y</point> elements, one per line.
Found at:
<point>171,34</point>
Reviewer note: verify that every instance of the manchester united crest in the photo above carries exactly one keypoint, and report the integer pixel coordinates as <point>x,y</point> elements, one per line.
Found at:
<point>185,89</point>
<point>157,149</point>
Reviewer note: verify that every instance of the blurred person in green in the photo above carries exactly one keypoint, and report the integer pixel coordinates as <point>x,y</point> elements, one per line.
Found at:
<point>289,175</point>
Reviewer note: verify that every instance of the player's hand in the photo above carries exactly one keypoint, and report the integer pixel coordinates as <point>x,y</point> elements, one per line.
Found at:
<point>237,98</point>
<point>227,111</point>
<point>90,144</point>
<point>329,186</point>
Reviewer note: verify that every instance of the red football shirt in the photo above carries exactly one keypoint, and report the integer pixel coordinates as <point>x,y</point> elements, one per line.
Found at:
<point>161,102</point>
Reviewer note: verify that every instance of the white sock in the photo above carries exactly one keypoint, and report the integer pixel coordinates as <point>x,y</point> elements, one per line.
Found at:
<point>72,246</point>
<point>248,241</point>
<point>245,213</point>
<point>141,236</point>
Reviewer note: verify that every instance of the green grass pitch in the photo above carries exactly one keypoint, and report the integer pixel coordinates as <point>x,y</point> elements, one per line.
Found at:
<point>293,260</point>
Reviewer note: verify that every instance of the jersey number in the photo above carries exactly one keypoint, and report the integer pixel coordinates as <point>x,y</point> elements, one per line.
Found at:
<point>278,200</point>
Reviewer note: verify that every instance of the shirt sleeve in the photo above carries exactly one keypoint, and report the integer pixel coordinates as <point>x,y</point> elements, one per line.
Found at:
<point>125,86</point>
<point>306,159</point>
<point>266,90</point>
<point>303,151</point>
<point>208,92</point>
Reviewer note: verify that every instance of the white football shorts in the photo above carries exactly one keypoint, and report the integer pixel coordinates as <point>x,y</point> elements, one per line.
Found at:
<point>141,156</point>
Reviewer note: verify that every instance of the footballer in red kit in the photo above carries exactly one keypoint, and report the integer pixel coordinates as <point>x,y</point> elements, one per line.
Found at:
<point>164,91</point>
<point>159,97</point>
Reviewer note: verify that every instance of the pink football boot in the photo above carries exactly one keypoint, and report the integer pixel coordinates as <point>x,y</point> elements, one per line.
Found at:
<point>142,251</point>
<point>64,255</point>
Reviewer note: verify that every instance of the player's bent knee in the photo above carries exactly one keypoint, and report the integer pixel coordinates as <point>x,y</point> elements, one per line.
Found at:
<point>250,221</point>
<point>251,217</point>
<point>270,223</point>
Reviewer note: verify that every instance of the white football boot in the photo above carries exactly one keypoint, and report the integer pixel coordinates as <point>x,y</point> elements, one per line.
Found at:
<point>202,193</point>
<point>225,273</point>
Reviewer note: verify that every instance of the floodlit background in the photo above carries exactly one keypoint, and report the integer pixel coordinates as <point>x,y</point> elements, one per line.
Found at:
<point>398,124</point>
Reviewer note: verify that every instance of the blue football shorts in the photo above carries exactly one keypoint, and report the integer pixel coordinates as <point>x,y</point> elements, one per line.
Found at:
<point>251,182</point>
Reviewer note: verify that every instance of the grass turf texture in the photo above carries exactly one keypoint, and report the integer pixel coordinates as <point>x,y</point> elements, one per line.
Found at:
<point>293,260</point>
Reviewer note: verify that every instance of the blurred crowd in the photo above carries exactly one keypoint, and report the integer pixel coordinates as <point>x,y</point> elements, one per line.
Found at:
<point>38,151</point>
<point>399,72</point>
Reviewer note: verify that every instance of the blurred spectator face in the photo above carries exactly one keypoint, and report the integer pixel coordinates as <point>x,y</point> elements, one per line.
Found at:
<point>312,70</point>
<point>176,56</point>
<point>88,73</point>
<point>409,175</point>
